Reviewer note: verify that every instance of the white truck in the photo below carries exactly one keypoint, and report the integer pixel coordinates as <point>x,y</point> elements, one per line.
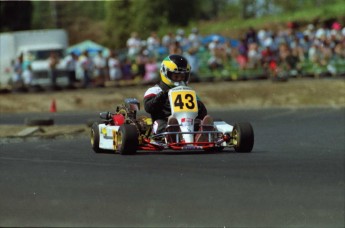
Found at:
<point>36,46</point>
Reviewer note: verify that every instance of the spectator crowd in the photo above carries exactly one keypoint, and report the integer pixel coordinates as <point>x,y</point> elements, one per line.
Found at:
<point>292,50</point>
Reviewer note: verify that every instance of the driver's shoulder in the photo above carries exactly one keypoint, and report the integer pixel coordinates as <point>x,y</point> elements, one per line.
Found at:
<point>153,90</point>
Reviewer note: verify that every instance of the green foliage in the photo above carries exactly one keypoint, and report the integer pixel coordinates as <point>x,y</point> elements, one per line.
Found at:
<point>42,16</point>
<point>52,14</point>
<point>121,17</point>
<point>148,16</point>
<point>118,22</point>
<point>234,26</point>
<point>180,12</point>
<point>144,16</point>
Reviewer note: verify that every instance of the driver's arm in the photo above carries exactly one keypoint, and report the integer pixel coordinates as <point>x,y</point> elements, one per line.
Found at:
<point>154,102</point>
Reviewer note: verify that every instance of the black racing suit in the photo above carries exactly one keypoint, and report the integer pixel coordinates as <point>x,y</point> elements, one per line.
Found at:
<point>156,103</point>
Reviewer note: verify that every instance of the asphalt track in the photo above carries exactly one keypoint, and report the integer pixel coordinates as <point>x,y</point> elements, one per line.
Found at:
<point>293,178</point>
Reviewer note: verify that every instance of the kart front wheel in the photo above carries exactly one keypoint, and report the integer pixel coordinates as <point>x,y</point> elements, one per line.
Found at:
<point>127,139</point>
<point>94,136</point>
<point>243,137</point>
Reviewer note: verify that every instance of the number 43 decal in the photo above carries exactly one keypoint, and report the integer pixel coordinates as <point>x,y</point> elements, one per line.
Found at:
<point>184,101</point>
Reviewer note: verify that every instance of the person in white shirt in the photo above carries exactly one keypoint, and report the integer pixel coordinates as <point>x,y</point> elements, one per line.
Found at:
<point>133,45</point>
<point>153,43</point>
<point>114,65</point>
<point>71,67</point>
<point>100,66</point>
<point>87,65</point>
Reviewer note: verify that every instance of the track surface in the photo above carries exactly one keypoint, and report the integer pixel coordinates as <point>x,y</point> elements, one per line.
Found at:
<point>293,178</point>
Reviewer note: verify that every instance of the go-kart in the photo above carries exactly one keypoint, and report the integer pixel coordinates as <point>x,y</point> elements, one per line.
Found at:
<point>124,132</point>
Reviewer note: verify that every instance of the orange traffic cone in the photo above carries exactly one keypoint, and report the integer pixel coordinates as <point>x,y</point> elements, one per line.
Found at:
<point>53,106</point>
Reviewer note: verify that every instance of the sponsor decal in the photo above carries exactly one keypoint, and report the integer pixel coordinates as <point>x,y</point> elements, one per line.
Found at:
<point>186,121</point>
<point>104,131</point>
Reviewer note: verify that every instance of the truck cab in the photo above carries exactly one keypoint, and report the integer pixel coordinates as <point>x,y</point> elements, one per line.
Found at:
<point>36,46</point>
<point>37,56</point>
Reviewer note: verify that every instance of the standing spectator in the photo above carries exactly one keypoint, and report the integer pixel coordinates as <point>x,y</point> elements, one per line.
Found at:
<point>290,32</point>
<point>269,42</point>
<point>193,59</point>
<point>269,61</point>
<point>218,54</point>
<point>310,31</point>
<point>287,62</point>
<point>322,32</point>
<point>133,45</point>
<point>141,61</point>
<point>27,77</point>
<point>100,67</point>
<point>17,69</point>
<point>88,68</point>
<point>296,47</point>
<point>262,34</point>
<point>305,43</point>
<point>175,48</point>
<point>153,43</point>
<point>71,66</point>
<point>151,71</point>
<point>195,39</point>
<point>326,53</point>
<point>254,56</point>
<point>214,45</point>
<point>114,65</point>
<point>126,68</point>
<point>53,62</point>
<point>17,80</point>
<point>251,36</point>
<point>168,40</point>
<point>339,50</point>
<point>242,54</point>
<point>182,39</point>
<point>314,53</point>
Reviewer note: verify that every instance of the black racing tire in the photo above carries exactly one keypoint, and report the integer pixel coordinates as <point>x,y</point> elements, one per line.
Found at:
<point>243,137</point>
<point>128,140</point>
<point>39,121</point>
<point>94,137</point>
<point>90,122</point>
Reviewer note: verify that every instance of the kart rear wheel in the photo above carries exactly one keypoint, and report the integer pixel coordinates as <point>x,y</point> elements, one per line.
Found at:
<point>243,137</point>
<point>94,136</point>
<point>127,139</point>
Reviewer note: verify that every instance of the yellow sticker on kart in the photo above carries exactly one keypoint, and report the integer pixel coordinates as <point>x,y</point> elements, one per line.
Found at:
<point>184,101</point>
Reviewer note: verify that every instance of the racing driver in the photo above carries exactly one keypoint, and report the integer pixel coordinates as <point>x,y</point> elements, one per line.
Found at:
<point>174,71</point>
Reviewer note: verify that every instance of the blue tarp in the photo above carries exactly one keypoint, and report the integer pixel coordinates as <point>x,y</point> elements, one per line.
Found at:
<point>87,45</point>
<point>221,39</point>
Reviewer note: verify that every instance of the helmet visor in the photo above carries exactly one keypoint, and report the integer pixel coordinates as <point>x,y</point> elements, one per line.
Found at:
<point>178,76</point>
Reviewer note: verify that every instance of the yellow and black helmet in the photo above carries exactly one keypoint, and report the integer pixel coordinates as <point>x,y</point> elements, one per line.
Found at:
<point>172,66</point>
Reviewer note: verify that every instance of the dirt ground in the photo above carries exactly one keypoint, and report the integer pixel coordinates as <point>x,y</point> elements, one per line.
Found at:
<point>295,93</point>
<point>244,94</point>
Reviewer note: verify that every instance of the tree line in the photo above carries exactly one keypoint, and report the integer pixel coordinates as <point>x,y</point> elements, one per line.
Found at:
<point>117,19</point>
